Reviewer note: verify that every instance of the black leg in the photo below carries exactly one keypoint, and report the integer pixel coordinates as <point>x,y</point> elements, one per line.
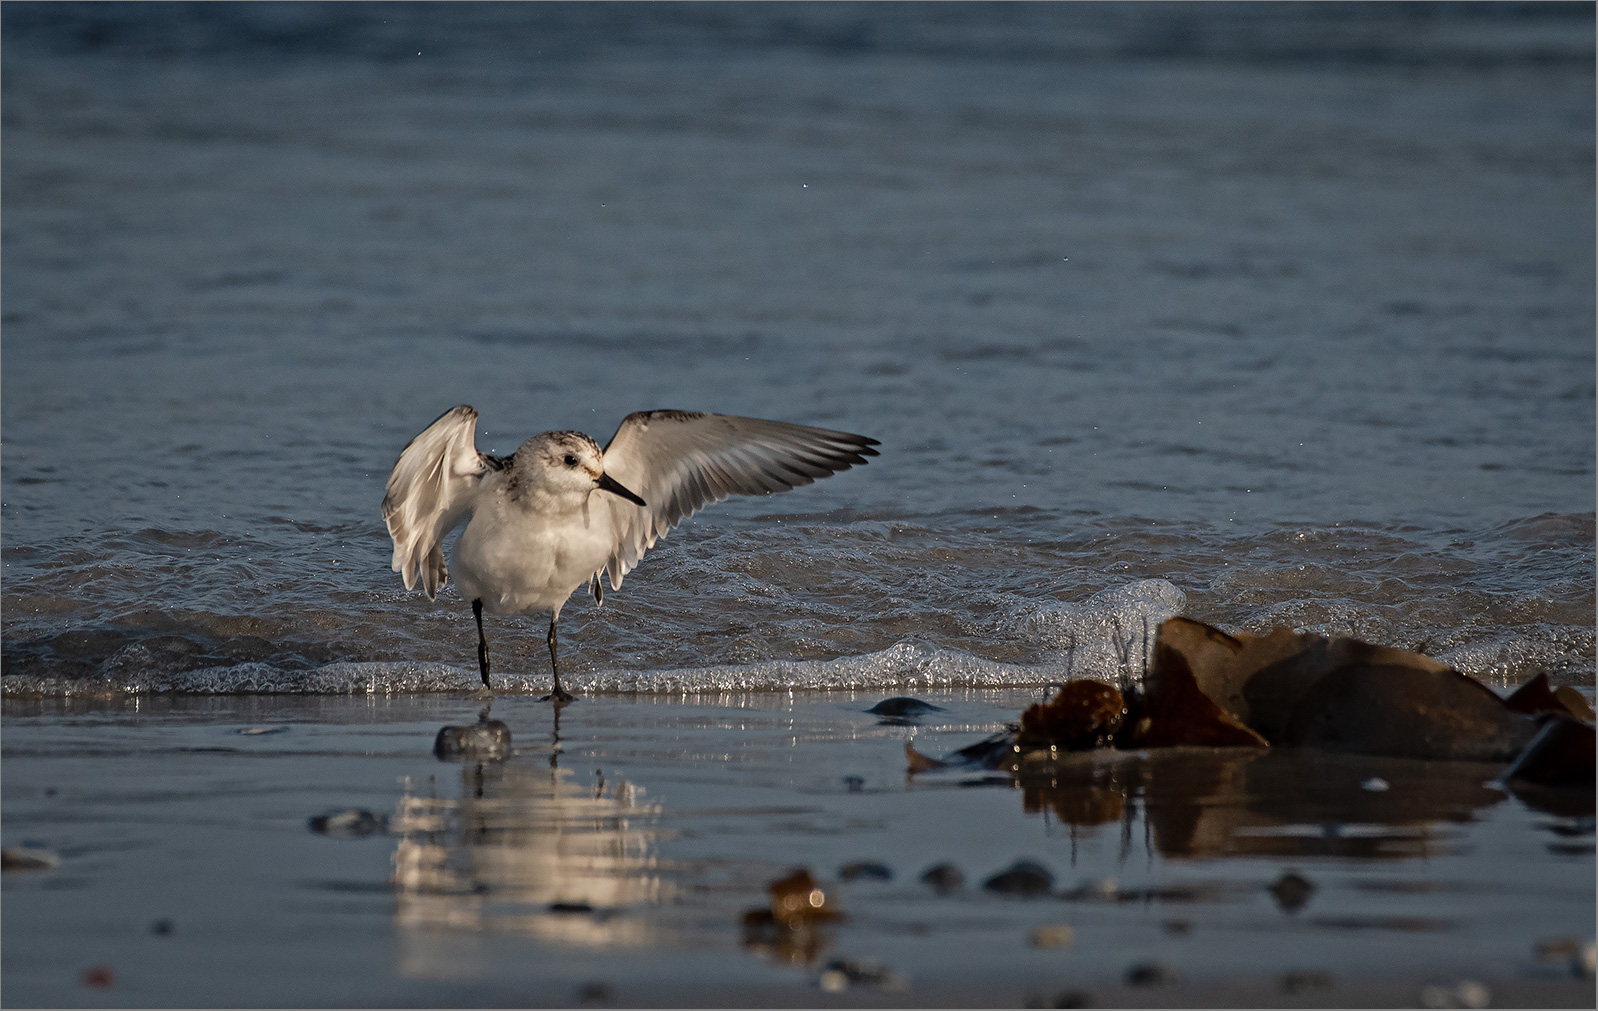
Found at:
<point>559,694</point>
<point>482,643</point>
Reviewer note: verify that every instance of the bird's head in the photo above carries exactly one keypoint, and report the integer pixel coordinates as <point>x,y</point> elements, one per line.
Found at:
<point>568,465</point>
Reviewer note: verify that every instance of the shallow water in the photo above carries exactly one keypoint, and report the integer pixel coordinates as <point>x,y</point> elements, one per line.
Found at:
<point>1266,319</point>
<point>616,852</point>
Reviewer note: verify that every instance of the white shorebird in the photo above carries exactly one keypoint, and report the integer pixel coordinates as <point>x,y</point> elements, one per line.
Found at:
<point>538,532</point>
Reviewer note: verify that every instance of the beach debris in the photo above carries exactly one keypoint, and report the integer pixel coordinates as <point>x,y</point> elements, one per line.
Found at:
<point>1376,784</point>
<point>1301,981</point>
<point>22,858</point>
<point>1095,890</point>
<point>1292,892</point>
<point>1022,879</point>
<point>865,870</point>
<point>903,707</point>
<point>99,977</point>
<point>1465,993</point>
<point>945,878</point>
<point>1537,697</point>
<point>1581,956</point>
<point>789,928</point>
<point>843,973</point>
<point>162,928</point>
<point>354,823</point>
<point>1207,688</point>
<point>1052,935</point>
<point>1561,754</point>
<point>1155,973</point>
<point>1083,716</point>
<point>798,900</point>
<point>1294,688</point>
<point>1174,711</point>
<point>485,739</point>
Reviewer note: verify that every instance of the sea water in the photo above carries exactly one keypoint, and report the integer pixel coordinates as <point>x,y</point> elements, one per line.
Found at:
<point>1267,316</point>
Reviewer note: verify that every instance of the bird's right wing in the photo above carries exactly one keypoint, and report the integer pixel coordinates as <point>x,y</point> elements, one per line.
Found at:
<point>431,487</point>
<point>680,461</point>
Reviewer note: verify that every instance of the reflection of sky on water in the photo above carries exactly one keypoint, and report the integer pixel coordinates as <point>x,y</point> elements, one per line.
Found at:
<point>528,850</point>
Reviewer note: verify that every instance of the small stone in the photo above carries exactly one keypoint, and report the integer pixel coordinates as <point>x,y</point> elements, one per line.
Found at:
<point>162,928</point>
<point>20,858</point>
<point>867,870</point>
<point>487,739</point>
<point>1052,935</point>
<point>1299,982</point>
<point>902,707</point>
<point>834,981</point>
<point>798,901</point>
<point>1152,974</point>
<point>1292,892</point>
<point>944,877</point>
<point>1023,878</point>
<point>355,823</point>
<point>1376,784</point>
<point>861,972</point>
<point>1467,993</point>
<point>100,977</point>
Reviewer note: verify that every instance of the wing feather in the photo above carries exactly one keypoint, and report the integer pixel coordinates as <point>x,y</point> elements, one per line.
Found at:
<point>680,461</point>
<point>430,489</point>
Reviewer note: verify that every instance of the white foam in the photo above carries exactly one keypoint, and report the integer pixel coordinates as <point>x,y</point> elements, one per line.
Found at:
<point>1106,636</point>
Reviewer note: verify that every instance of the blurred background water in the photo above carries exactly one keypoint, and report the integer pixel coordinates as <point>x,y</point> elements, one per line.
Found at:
<point>1266,314</point>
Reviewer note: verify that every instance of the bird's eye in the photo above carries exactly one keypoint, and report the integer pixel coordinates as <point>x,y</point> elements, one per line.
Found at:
<point>571,461</point>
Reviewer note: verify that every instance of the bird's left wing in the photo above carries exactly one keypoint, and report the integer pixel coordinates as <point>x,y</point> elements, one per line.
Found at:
<point>431,487</point>
<point>680,461</point>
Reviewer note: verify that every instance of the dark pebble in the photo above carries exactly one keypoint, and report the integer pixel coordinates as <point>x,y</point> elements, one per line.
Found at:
<point>943,877</point>
<point>1152,974</point>
<point>903,706</point>
<point>594,991</point>
<point>489,739</point>
<point>570,907</point>
<point>161,928</point>
<point>1292,892</point>
<point>867,870</point>
<point>21,858</point>
<point>1023,878</point>
<point>351,824</point>
<point>1298,982</point>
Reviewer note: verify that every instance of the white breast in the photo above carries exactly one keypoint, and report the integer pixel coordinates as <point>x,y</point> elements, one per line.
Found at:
<point>521,561</point>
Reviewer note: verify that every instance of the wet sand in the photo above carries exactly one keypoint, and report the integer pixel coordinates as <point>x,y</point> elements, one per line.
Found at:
<point>610,860</point>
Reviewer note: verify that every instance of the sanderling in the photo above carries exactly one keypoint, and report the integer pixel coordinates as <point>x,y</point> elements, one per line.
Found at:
<point>537,530</point>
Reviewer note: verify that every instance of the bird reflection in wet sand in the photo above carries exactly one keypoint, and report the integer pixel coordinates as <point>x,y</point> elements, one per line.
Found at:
<point>528,849</point>
<point>1201,802</point>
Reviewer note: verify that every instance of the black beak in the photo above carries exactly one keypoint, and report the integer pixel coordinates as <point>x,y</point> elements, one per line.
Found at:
<point>610,484</point>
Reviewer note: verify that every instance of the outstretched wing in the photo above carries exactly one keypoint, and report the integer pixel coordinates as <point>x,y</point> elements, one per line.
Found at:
<point>431,487</point>
<point>680,461</point>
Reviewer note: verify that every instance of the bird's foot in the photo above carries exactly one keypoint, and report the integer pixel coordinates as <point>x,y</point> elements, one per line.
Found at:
<point>560,697</point>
